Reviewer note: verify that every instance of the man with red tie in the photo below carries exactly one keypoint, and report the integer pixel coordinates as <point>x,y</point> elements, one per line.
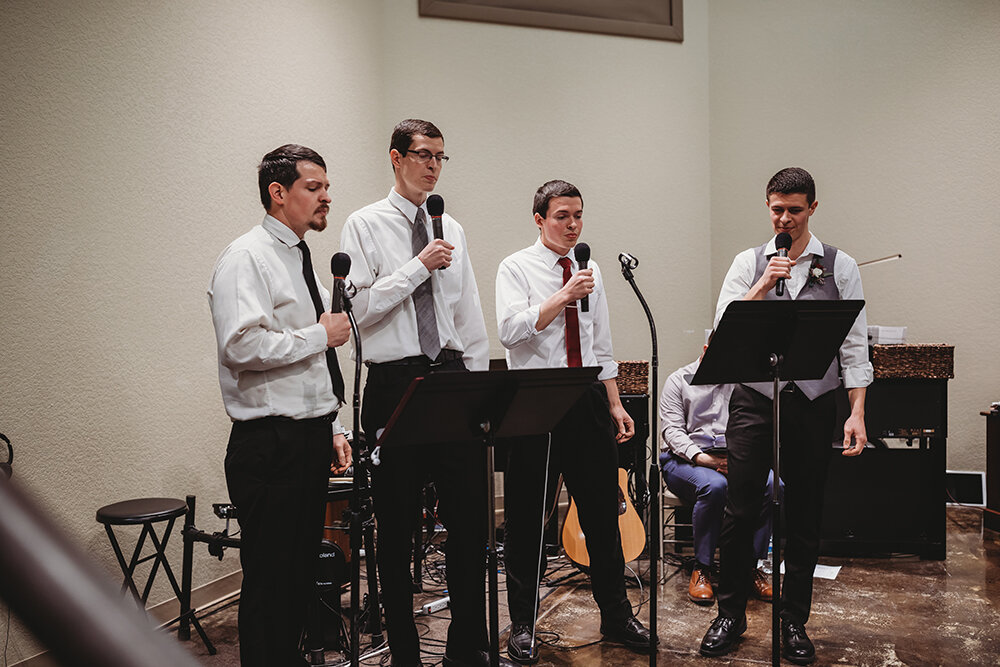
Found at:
<point>541,325</point>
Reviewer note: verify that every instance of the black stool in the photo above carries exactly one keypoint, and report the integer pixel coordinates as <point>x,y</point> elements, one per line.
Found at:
<point>147,511</point>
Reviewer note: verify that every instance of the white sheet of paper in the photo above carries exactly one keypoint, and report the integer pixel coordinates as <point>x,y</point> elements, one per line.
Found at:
<point>821,571</point>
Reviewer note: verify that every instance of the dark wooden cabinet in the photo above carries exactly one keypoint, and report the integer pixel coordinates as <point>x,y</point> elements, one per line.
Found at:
<point>992,521</point>
<point>891,498</point>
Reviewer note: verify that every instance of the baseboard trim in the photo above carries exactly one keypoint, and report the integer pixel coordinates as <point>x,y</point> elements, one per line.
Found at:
<point>204,596</point>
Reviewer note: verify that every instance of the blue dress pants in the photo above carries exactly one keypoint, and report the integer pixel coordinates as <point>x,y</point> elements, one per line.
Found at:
<point>704,490</point>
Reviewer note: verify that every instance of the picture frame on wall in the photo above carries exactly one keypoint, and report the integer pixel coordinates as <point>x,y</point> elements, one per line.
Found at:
<point>650,19</point>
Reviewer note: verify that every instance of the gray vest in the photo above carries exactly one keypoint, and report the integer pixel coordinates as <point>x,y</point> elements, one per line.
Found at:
<point>828,292</point>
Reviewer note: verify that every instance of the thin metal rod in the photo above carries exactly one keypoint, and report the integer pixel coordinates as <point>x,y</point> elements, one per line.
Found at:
<point>775,513</point>
<point>541,541</point>
<point>655,523</point>
<point>887,258</point>
<point>492,563</point>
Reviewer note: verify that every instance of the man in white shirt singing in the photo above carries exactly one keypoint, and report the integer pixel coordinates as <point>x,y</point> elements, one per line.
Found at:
<point>417,308</point>
<point>811,270</point>
<point>537,293</point>
<point>282,388</point>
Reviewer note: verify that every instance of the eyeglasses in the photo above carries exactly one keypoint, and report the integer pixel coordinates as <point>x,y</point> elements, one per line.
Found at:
<point>424,156</point>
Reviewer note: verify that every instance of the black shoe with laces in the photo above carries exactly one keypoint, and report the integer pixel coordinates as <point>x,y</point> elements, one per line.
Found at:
<point>519,646</point>
<point>630,633</point>
<point>722,636</point>
<point>795,643</point>
<point>474,658</point>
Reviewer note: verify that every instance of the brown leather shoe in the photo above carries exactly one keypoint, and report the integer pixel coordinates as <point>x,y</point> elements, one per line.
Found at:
<point>700,588</point>
<point>762,585</point>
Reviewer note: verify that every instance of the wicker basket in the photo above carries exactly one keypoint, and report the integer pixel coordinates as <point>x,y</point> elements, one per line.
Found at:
<point>633,377</point>
<point>914,361</point>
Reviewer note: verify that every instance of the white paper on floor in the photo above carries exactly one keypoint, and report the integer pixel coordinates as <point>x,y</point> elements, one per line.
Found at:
<point>821,571</point>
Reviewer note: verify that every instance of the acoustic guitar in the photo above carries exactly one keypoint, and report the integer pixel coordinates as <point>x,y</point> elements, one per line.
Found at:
<point>629,525</point>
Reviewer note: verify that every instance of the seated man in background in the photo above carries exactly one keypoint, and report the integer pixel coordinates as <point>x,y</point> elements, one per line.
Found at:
<point>693,422</point>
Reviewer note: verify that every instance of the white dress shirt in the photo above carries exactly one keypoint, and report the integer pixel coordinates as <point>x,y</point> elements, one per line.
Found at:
<point>272,351</point>
<point>385,273</point>
<point>693,418</point>
<point>856,369</point>
<point>526,279</point>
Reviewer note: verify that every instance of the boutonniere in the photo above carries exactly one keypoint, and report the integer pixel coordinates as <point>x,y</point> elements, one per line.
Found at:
<point>817,273</point>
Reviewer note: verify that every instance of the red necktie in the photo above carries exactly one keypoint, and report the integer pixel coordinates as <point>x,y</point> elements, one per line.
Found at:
<point>573,357</point>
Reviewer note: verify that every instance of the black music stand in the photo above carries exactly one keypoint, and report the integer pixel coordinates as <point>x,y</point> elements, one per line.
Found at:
<point>776,341</point>
<point>461,406</point>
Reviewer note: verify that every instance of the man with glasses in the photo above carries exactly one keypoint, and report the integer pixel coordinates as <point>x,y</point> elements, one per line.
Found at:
<point>417,308</point>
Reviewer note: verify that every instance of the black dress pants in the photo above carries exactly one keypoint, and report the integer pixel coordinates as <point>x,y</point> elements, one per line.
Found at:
<point>585,451</point>
<point>277,471</point>
<point>459,473</point>
<point>806,445</point>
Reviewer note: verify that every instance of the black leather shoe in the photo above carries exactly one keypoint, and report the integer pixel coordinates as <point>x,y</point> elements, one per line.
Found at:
<point>473,659</point>
<point>795,643</point>
<point>519,646</point>
<point>630,633</point>
<point>722,636</point>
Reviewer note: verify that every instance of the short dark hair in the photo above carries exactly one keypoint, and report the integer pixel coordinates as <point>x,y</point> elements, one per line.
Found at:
<point>403,133</point>
<point>550,191</point>
<point>792,181</point>
<point>282,166</point>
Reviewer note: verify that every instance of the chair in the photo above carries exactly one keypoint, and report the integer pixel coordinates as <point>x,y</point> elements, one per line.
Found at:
<point>147,512</point>
<point>677,528</point>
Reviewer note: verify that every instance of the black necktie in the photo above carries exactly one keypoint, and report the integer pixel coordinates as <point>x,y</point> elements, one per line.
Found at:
<point>331,354</point>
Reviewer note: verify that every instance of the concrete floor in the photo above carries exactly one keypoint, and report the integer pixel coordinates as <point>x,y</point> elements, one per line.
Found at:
<point>885,611</point>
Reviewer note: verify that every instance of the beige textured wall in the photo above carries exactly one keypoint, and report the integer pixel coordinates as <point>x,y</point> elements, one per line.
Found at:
<point>131,137</point>
<point>892,106</point>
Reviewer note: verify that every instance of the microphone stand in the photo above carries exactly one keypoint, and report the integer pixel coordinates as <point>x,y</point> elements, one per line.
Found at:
<point>628,263</point>
<point>361,516</point>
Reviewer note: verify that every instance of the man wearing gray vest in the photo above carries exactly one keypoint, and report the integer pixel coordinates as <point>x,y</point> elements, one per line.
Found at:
<point>812,270</point>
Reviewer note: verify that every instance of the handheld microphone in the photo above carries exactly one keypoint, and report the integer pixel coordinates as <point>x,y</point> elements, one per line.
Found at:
<point>435,206</point>
<point>782,242</point>
<point>582,253</point>
<point>340,266</point>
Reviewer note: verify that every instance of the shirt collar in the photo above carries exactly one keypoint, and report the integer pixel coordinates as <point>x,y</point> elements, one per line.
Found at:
<point>280,231</point>
<point>549,258</point>
<point>687,372</point>
<point>814,247</point>
<point>406,207</point>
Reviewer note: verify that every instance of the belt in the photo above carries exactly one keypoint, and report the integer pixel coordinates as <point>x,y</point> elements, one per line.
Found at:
<point>420,360</point>
<point>282,418</point>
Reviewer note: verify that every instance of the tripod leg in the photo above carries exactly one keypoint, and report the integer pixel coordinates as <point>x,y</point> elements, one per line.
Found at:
<point>418,552</point>
<point>314,631</point>
<point>541,541</point>
<point>374,627</point>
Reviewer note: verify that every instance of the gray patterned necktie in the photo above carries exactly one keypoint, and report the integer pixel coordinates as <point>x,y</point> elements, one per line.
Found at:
<point>423,295</point>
